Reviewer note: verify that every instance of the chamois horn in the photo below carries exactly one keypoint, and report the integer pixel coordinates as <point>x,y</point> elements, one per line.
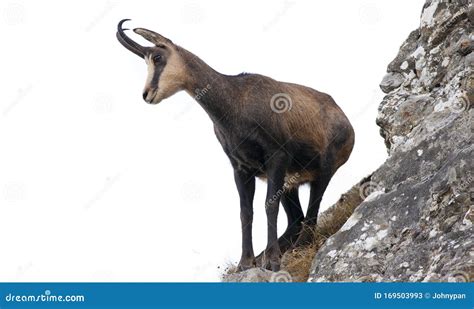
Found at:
<point>127,42</point>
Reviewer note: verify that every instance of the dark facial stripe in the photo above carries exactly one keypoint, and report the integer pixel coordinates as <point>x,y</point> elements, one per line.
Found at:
<point>157,72</point>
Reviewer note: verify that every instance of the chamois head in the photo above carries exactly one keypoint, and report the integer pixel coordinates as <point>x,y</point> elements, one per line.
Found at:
<point>166,69</point>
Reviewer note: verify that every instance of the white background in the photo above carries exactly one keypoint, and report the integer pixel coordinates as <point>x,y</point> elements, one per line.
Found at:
<point>97,185</point>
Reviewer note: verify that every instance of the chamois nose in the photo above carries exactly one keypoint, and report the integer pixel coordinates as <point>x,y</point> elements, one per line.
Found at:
<point>145,94</point>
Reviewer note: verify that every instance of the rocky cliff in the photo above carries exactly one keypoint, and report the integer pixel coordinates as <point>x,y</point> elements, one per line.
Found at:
<point>416,223</point>
<point>414,218</point>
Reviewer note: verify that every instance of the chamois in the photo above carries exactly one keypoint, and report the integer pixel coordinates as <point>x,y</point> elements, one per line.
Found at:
<point>285,133</point>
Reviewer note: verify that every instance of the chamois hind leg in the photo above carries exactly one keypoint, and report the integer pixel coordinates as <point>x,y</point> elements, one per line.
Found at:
<point>294,213</point>
<point>291,203</point>
<point>318,187</point>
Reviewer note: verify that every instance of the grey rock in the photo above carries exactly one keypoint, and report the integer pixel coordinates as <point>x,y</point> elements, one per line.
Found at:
<point>405,50</point>
<point>391,81</point>
<point>420,225</point>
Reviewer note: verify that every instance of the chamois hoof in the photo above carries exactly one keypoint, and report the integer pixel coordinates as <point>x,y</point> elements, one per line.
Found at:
<point>246,264</point>
<point>271,265</point>
<point>271,261</point>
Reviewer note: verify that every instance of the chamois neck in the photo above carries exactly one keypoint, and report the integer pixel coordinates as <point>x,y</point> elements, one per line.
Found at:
<point>208,87</point>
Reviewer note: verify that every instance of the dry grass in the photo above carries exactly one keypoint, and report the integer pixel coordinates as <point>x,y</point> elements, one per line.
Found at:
<point>230,268</point>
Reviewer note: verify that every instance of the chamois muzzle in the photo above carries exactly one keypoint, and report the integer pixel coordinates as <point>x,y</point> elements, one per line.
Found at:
<point>128,43</point>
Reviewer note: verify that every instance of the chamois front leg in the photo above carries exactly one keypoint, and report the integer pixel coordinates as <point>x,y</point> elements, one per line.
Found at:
<point>246,186</point>
<point>292,206</point>
<point>276,170</point>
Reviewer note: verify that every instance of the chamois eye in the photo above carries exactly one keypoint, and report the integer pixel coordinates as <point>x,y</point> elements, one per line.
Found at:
<point>157,58</point>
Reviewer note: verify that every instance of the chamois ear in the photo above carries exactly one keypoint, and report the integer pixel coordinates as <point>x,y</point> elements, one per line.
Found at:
<point>153,37</point>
